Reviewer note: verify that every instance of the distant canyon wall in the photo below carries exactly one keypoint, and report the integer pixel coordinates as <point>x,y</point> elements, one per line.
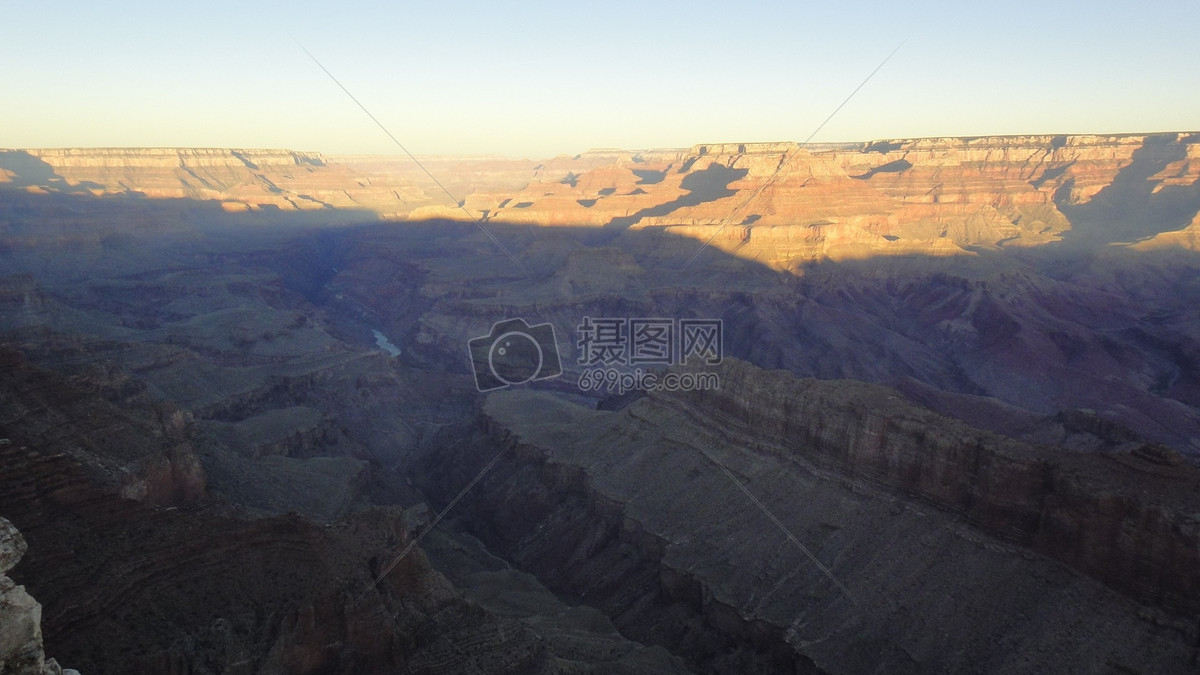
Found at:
<point>778,203</point>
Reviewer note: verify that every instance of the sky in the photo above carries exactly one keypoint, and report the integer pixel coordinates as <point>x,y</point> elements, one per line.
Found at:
<point>538,79</point>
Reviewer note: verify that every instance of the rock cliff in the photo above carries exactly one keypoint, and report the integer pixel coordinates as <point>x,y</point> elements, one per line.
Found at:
<point>914,514</point>
<point>776,203</point>
<point>786,206</point>
<point>20,615</point>
<point>209,571</point>
<point>237,180</point>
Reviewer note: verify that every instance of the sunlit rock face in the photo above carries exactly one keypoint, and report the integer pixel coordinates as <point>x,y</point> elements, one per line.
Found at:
<point>237,180</point>
<point>776,203</point>
<point>784,205</point>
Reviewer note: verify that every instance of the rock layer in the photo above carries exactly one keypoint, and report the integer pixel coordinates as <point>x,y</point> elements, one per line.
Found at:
<point>925,521</point>
<point>776,203</point>
<point>21,650</point>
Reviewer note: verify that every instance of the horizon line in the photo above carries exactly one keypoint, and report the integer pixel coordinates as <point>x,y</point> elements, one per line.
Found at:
<point>610,149</point>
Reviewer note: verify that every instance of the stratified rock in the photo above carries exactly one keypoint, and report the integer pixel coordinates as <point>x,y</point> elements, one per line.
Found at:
<point>669,515</point>
<point>12,546</point>
<point>20,631</point>
<point>237,181</point>
<point>20,615</point>
<point>779,203</point>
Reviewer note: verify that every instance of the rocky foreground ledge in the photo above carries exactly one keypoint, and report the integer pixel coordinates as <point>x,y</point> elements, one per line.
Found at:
<point>20,616</point>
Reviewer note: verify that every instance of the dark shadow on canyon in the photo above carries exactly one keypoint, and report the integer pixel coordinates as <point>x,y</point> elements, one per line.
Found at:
<point>1137,205</point>
<point>29,171</point>
<point>934,319</point>
<point>708,185</point>
<point>968,336</point>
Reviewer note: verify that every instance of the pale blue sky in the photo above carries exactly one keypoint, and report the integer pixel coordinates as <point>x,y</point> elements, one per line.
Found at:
<point>538,78</point>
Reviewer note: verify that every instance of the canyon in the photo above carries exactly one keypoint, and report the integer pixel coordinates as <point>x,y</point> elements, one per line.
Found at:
<point>957,427</point>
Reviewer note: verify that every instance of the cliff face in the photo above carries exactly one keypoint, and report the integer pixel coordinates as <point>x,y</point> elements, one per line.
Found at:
<point>238,180</point>
<point>785,206</point>
<point>924,520</point>
<point>1128,518</point>
<point>20,615</point>
<point>132,586</point>
<point>255,180</point>
<point>775,203</point>
<point>166,537</point>
<point>140,590</point>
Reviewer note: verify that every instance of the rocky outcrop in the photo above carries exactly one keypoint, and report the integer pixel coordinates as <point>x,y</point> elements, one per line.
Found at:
<point>169,581</point>
<point>1128,519</point>
<point>290,432</point>
<point>923,521</point>
<point>139,590</point>
<point>12,546</point>
<point>137,447</point>
<point>20,615</point>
